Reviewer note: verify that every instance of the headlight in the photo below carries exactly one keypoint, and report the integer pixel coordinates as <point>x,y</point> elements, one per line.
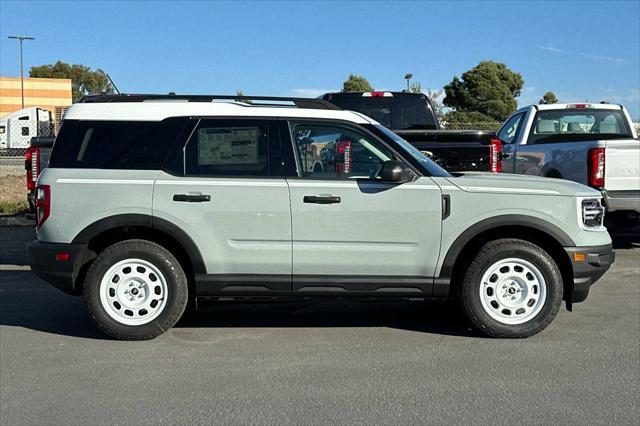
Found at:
<point>592,213</point>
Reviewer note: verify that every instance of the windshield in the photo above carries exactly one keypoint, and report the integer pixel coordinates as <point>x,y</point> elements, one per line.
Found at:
<point>431,168</point>
<point>570,125</point>
<point>397,113</point>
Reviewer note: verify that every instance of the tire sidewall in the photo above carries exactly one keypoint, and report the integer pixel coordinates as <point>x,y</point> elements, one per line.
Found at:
<point>168,266</point>
<point>554,293</point>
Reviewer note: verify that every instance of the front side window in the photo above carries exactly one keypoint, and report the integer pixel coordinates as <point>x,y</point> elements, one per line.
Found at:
<point>337,152</point>
<point>228,148</point>
<point>578,124</point>
<point>509,131</point>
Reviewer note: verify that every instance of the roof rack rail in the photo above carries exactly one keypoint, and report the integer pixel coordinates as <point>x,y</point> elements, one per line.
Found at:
<point>303,103</point>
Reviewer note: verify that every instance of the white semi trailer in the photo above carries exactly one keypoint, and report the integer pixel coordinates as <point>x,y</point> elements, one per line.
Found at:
<point>17,128</point>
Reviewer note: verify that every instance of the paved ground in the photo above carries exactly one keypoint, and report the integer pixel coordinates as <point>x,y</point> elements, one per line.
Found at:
<point>317,363</point>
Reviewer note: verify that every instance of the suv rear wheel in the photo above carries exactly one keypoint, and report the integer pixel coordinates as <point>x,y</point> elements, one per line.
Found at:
<point>135,290</point>
<point>512,288</point>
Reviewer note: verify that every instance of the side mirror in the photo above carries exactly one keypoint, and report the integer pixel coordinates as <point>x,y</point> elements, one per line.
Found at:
<point>392,171</point>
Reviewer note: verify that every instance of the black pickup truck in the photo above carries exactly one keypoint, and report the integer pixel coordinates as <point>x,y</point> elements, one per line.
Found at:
<point>411,116</point>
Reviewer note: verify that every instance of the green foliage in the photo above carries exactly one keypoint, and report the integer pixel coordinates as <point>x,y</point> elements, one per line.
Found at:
<point>240,97</point>
<point>549,98</point>
<point>464,117</point>
<point>436,101</point>
<point>490,89</point>
<point>415,87</point>
<point>356,83</point>
<point>84,81</point>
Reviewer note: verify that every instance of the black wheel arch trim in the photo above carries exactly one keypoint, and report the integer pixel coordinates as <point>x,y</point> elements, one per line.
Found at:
<point>498,222</point>
<point>146,221</point>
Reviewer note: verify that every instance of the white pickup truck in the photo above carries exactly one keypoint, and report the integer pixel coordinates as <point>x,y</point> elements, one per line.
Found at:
<point>593,144</point>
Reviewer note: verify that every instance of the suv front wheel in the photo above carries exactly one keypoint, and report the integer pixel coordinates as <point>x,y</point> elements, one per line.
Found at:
<point>512,288</point>
<point>135,290</point>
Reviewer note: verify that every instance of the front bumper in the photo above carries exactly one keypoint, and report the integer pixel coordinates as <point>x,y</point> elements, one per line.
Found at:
<point>48,262</point>
<point>595,262</point>
<point>622,200</point>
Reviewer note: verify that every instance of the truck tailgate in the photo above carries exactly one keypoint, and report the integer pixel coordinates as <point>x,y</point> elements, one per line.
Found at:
<point>622,165</point>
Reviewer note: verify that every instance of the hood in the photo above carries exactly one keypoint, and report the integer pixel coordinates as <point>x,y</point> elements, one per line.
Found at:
<point>504,183</point>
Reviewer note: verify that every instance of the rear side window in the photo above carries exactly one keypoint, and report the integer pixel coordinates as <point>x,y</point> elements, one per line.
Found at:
<point>142,145</point>
<point>572,125</point>
<point>226,147</point>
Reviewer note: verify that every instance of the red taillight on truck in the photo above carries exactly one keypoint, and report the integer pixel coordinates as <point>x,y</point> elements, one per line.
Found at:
<point>495,161</point>
<point>595,166</point>
<point>343,163</point>
<point>32,166</point>
<point>43,204</point>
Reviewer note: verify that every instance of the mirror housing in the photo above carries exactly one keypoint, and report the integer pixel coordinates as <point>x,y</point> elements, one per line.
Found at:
<point>392,171</point>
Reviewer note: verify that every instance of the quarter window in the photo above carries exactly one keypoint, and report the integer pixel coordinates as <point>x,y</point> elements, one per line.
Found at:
<point>336,152</point>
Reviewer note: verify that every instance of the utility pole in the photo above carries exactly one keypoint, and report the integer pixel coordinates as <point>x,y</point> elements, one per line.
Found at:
<point>408,78</point>
<point>22,39</point>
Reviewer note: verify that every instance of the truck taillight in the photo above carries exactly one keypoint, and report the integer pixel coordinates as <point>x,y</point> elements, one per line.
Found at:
<point>32,166</point>
<point>43,204</point>
<point>595,162</point>
<point>343,163</point>
<point>495,160</point>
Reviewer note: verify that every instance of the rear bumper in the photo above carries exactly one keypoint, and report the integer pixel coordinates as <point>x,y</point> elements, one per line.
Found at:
<point>622,200</point>
<point>61,274</point>
<point>597,260</point>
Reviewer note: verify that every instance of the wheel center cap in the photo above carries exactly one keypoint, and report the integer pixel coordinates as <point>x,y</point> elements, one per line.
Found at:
<point>511,290</point>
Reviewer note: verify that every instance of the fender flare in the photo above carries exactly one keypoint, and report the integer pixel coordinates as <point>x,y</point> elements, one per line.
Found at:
<point>446,270</point>
<point>146,221</point>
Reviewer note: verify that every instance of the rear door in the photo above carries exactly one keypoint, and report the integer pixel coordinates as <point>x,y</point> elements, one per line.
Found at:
<point>225,188</point>
<point>353,232</point>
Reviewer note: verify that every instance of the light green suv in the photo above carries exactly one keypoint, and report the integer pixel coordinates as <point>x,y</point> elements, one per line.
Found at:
<point>152,202</point>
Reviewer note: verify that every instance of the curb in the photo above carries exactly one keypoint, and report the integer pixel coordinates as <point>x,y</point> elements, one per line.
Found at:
<point>16,221</point>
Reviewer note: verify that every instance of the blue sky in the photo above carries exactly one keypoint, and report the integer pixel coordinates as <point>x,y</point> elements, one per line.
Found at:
<point>580,50</point>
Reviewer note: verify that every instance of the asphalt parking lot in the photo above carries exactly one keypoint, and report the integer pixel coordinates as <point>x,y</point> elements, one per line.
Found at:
<point>317,363</point>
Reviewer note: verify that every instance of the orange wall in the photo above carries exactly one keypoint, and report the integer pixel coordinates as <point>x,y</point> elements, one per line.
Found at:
<point>47,93</point>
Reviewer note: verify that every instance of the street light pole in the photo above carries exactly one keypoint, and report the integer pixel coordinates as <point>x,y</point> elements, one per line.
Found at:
<point>22,39</point>
<point>408,78</point>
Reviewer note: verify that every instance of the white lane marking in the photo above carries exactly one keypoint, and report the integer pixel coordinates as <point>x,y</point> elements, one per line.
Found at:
<point>107,181</point>
<point>507,190</point>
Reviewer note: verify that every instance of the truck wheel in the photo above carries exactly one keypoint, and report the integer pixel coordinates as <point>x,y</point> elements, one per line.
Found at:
<point>512,289</point>
<point>135,290</point>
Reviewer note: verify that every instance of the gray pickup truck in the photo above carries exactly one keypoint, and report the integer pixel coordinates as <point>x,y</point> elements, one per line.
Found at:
<point>593,144</point>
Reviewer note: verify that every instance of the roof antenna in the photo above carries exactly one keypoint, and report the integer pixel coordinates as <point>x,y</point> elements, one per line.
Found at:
<point>113,84</point>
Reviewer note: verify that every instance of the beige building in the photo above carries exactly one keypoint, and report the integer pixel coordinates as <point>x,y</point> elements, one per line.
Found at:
<point>53,94</point>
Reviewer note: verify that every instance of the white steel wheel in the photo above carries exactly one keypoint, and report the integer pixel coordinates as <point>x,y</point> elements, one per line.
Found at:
<point>513,291</point>
<point>133,292</point>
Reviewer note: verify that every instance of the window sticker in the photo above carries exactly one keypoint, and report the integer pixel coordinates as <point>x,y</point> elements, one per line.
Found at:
<point>228,146</point>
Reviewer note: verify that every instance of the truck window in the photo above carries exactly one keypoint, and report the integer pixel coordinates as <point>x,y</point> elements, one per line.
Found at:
<point>509,131</point>
<point>570,125</point>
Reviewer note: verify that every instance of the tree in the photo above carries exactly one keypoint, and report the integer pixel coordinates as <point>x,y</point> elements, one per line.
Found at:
<point>436,102</point>
<point>549,98</point>
<point>84,81</point>
<point>356,83</point>
<point>490,89</point>
<point>240,97</point>
<point>415,87</point>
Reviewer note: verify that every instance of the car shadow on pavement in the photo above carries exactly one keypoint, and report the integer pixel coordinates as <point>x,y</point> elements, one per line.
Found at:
<point>30,303</point>
<point>425,317</point>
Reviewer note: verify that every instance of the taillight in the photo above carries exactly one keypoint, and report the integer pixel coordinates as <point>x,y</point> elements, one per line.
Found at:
<point>596,167</point>
<point>343,163</point>
<point>32,165</point>
<point>43,204</point>
<point>495,160</point>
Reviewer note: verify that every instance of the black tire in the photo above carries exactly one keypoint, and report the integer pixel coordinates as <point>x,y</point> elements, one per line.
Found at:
<point>489,254</point>
<point>165,262</point>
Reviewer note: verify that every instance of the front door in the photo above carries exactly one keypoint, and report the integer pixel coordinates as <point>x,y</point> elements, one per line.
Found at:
<point>226,189</point>
<point>351,231</point>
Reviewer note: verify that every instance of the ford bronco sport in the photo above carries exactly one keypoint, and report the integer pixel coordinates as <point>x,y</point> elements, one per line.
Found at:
<point>151,202</point>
